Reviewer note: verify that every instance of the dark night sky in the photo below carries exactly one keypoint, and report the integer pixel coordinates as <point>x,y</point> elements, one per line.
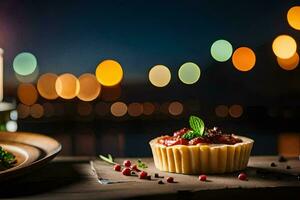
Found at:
<point>74,36</point>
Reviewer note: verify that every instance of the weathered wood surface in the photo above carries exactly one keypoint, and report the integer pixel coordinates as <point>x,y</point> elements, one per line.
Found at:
<point>72,178</point>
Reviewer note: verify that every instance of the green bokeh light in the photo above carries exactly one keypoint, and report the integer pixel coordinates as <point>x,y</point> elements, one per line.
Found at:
<point>189,73</point>
<point>25,63</point>
<point>221,50</point>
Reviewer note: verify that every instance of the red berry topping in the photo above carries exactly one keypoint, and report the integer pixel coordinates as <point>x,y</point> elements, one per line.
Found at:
<point>117,167</point>
<point>242,176</point>
<point>127,163</point>
<point>143,175</point>
<point>202,177</point>
<point>180,132</point>
<point>170,180</point>
<point>126,171</point>
<point>135,168</point>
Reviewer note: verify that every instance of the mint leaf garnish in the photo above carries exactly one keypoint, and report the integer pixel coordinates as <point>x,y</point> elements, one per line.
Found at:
<point>141,164</point>
<point>189,135</point>
<point>109,159</point>
<point>197,125</point>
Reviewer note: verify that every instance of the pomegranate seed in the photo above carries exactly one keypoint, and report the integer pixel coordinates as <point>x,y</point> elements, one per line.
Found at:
<point>202,177</point>
<point>242,176</point>
<point>126,171</point>
<point>170,180</point>
<point>143,175</point>
<point>117,167</point>
<point>127,163</point>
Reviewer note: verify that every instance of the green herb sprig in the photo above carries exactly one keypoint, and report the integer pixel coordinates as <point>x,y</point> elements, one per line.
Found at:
<point>197,126</point>
<point>6,159</point>
<point>141,164</point>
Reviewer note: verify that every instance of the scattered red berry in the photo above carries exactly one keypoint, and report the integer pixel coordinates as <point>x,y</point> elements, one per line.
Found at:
<point>126,171</point>
<point>170,180</point>
<point>117,167</point>
<point>242,176</point>
<point>135,168</point>
<point>202,177</point>
<point>143,175</point>
<point>127,163</point>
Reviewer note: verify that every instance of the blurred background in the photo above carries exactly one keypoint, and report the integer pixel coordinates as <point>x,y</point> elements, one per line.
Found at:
<point>108,76</point>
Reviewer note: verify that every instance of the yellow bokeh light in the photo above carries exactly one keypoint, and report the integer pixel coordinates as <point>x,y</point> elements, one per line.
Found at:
<point>243,59</point>
<point>109,73</point>
<point>290,63</point>
<point>67,86</point>
<point>175,108</point>
<point>293,17</point>
<point>160,75</point>
<point>27,93</point>
<point>89,87</point>
<point>284,46</point>
<point>46,86</point>
<point>118,109</point>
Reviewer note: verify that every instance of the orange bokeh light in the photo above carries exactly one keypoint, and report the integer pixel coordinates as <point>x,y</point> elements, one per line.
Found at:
<point>27,93</point>
<point>46,86</point>
<point>293,17</point>
<point>148,108</point>
<point>109,73</point>
<point>23,111</point>
<point>290,63</point>
<point>67,86</point>
<point>175,108</point>
<point>48,109</point>
<point>221,111</point>
<point>243,59</point>
<point>118,109</point>
<point>135,109</point>
<point>236,111</point>
<point>89,87</point>
<point>36,111</point>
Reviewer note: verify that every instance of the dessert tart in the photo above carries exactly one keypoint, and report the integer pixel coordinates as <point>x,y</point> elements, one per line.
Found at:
<point>198,150</point>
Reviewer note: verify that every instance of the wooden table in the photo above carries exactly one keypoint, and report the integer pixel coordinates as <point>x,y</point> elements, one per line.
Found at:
<point>72,178</point>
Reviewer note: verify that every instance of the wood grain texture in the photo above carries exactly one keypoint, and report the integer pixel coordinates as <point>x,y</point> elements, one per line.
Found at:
<point>72,178</point>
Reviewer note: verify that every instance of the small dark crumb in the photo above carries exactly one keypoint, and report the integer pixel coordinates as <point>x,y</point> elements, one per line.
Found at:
<point>148,177</point>
<point>160,182</point>
<point>156,175</point>
<point>288,167</point>
<point>273,164</point>
<point>282,159</point>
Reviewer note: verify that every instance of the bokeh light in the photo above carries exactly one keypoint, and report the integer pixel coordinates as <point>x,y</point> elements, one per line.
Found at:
<point>89,87</point>
<point>13,115</point>
<point>23,111</point>
<point>189,73</point>
<point>175,108</point>
<point>293,17</point>
<point>29,78</point>
<point>160,75</point>
<point>118,109</point>
<point>46,86</point>
<point>284,46</point>
<point>290,63</point>
<point>11,126</point>
<point>221,111</point>
<point>148,108</point>
<point>102,108</point>
<point>221,50</point>
<point>24,63</point>
<point>67,86</point>
<point>135,109</point>
<point>36,111</point>
<point>84,108</point>
<point>49,110</point>
<point>109,73</point>
<point>243,59</point>
<point>27,93</point>
<point>111,93</point>
<point>236,111</point>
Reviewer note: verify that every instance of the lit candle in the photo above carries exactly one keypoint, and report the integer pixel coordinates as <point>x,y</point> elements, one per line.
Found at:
<point>1,75</point>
